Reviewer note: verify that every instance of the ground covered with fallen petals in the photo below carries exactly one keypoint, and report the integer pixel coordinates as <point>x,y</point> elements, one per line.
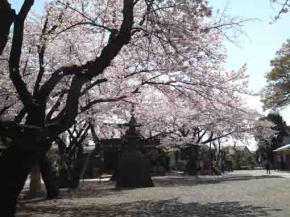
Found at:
<point>242,193</point>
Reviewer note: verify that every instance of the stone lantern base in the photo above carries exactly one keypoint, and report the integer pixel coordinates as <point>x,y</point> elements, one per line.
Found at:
<point>133,171</point>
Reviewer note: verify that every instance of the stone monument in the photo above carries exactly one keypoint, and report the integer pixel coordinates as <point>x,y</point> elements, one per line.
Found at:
<point>133,169</point>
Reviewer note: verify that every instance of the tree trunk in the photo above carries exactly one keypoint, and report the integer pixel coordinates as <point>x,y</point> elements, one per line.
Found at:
<point>7,18</point>
<point>191,166</point>
<point>86,164</point>
<point>77,168</point>
<point>50,177</point>
<point>15,164</point>
<point>35,189</point>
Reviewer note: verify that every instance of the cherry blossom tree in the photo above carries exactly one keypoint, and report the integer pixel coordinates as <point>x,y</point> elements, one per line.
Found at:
<point>32,138</point>
<point>185,122</point>
<point>75,47</point>
<point>188,113</point>
<point>97,58</point>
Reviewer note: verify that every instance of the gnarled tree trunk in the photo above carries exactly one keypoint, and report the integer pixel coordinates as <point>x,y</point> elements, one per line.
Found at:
<point>48,173</point>
<point>15,164</point>
<point>7,17</point>
<point>35,188</point>
<point>50,177</point>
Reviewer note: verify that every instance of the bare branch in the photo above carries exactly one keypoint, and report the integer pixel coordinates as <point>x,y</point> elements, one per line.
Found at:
<point>5,108</point>
<point>90,104</point>
<point>55,106</point>
<point>41,50</point>
<point>15,55</point>
<point>19,117</point>
<point>90,86</point>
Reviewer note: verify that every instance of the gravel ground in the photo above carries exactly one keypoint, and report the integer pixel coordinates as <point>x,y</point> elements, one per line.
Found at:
<point>241,193</point>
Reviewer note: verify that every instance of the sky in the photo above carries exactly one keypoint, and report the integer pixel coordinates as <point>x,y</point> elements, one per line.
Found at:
<point>38,4</point>
<point>258,44</point>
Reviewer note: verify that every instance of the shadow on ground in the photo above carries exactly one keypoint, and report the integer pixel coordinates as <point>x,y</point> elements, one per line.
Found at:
<point>164,208</point>
<point>187,181</point>
<point>95,189</point>
<point>92,189</point>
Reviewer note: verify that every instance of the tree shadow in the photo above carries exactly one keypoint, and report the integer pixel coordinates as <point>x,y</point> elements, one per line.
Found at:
<point>163,208</point>
<point>92,189</point>
<point>96,189</point>
<point>191,181</point>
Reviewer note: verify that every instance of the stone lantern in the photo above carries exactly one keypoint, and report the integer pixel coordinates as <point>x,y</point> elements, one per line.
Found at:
<point>133,169</point>
<point>132,138</point>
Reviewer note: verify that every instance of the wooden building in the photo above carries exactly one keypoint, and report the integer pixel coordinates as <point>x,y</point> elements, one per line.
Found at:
<point>282,157</point>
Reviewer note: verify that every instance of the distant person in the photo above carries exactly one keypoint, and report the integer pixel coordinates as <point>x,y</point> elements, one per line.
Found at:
<point>268,167</point>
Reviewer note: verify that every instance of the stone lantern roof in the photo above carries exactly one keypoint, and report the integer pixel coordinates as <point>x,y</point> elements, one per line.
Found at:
<point>132,137</point>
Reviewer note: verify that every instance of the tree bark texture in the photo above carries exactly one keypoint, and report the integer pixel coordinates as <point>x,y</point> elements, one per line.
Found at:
<point>50,177</point>
<point>35,187</point>
<point>7,18</point>
<point>15,165</point>
<point>18,160</point>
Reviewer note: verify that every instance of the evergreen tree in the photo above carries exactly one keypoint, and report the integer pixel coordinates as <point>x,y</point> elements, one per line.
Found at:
<point>266,146</point>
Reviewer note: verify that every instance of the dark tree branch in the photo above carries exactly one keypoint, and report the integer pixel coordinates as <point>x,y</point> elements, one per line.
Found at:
<point>90,86</point>
<point>90,104</point>
<point>55,78</point>
<point>91,23</point>
<point>19,117</point>
<point>283,9</point>
<point>201,136</point>
<point>7,18</point>
<point>13,130</point>
<point>115,45</point>
<point>55,106</point>
<point>5,108</point>
<point>94,134</point>
<point>15,55</point>
<point>41,50</point>
<point>9,129</point>
<point>212,139</point>
<point>84,134</point>
<point>94,68</point>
